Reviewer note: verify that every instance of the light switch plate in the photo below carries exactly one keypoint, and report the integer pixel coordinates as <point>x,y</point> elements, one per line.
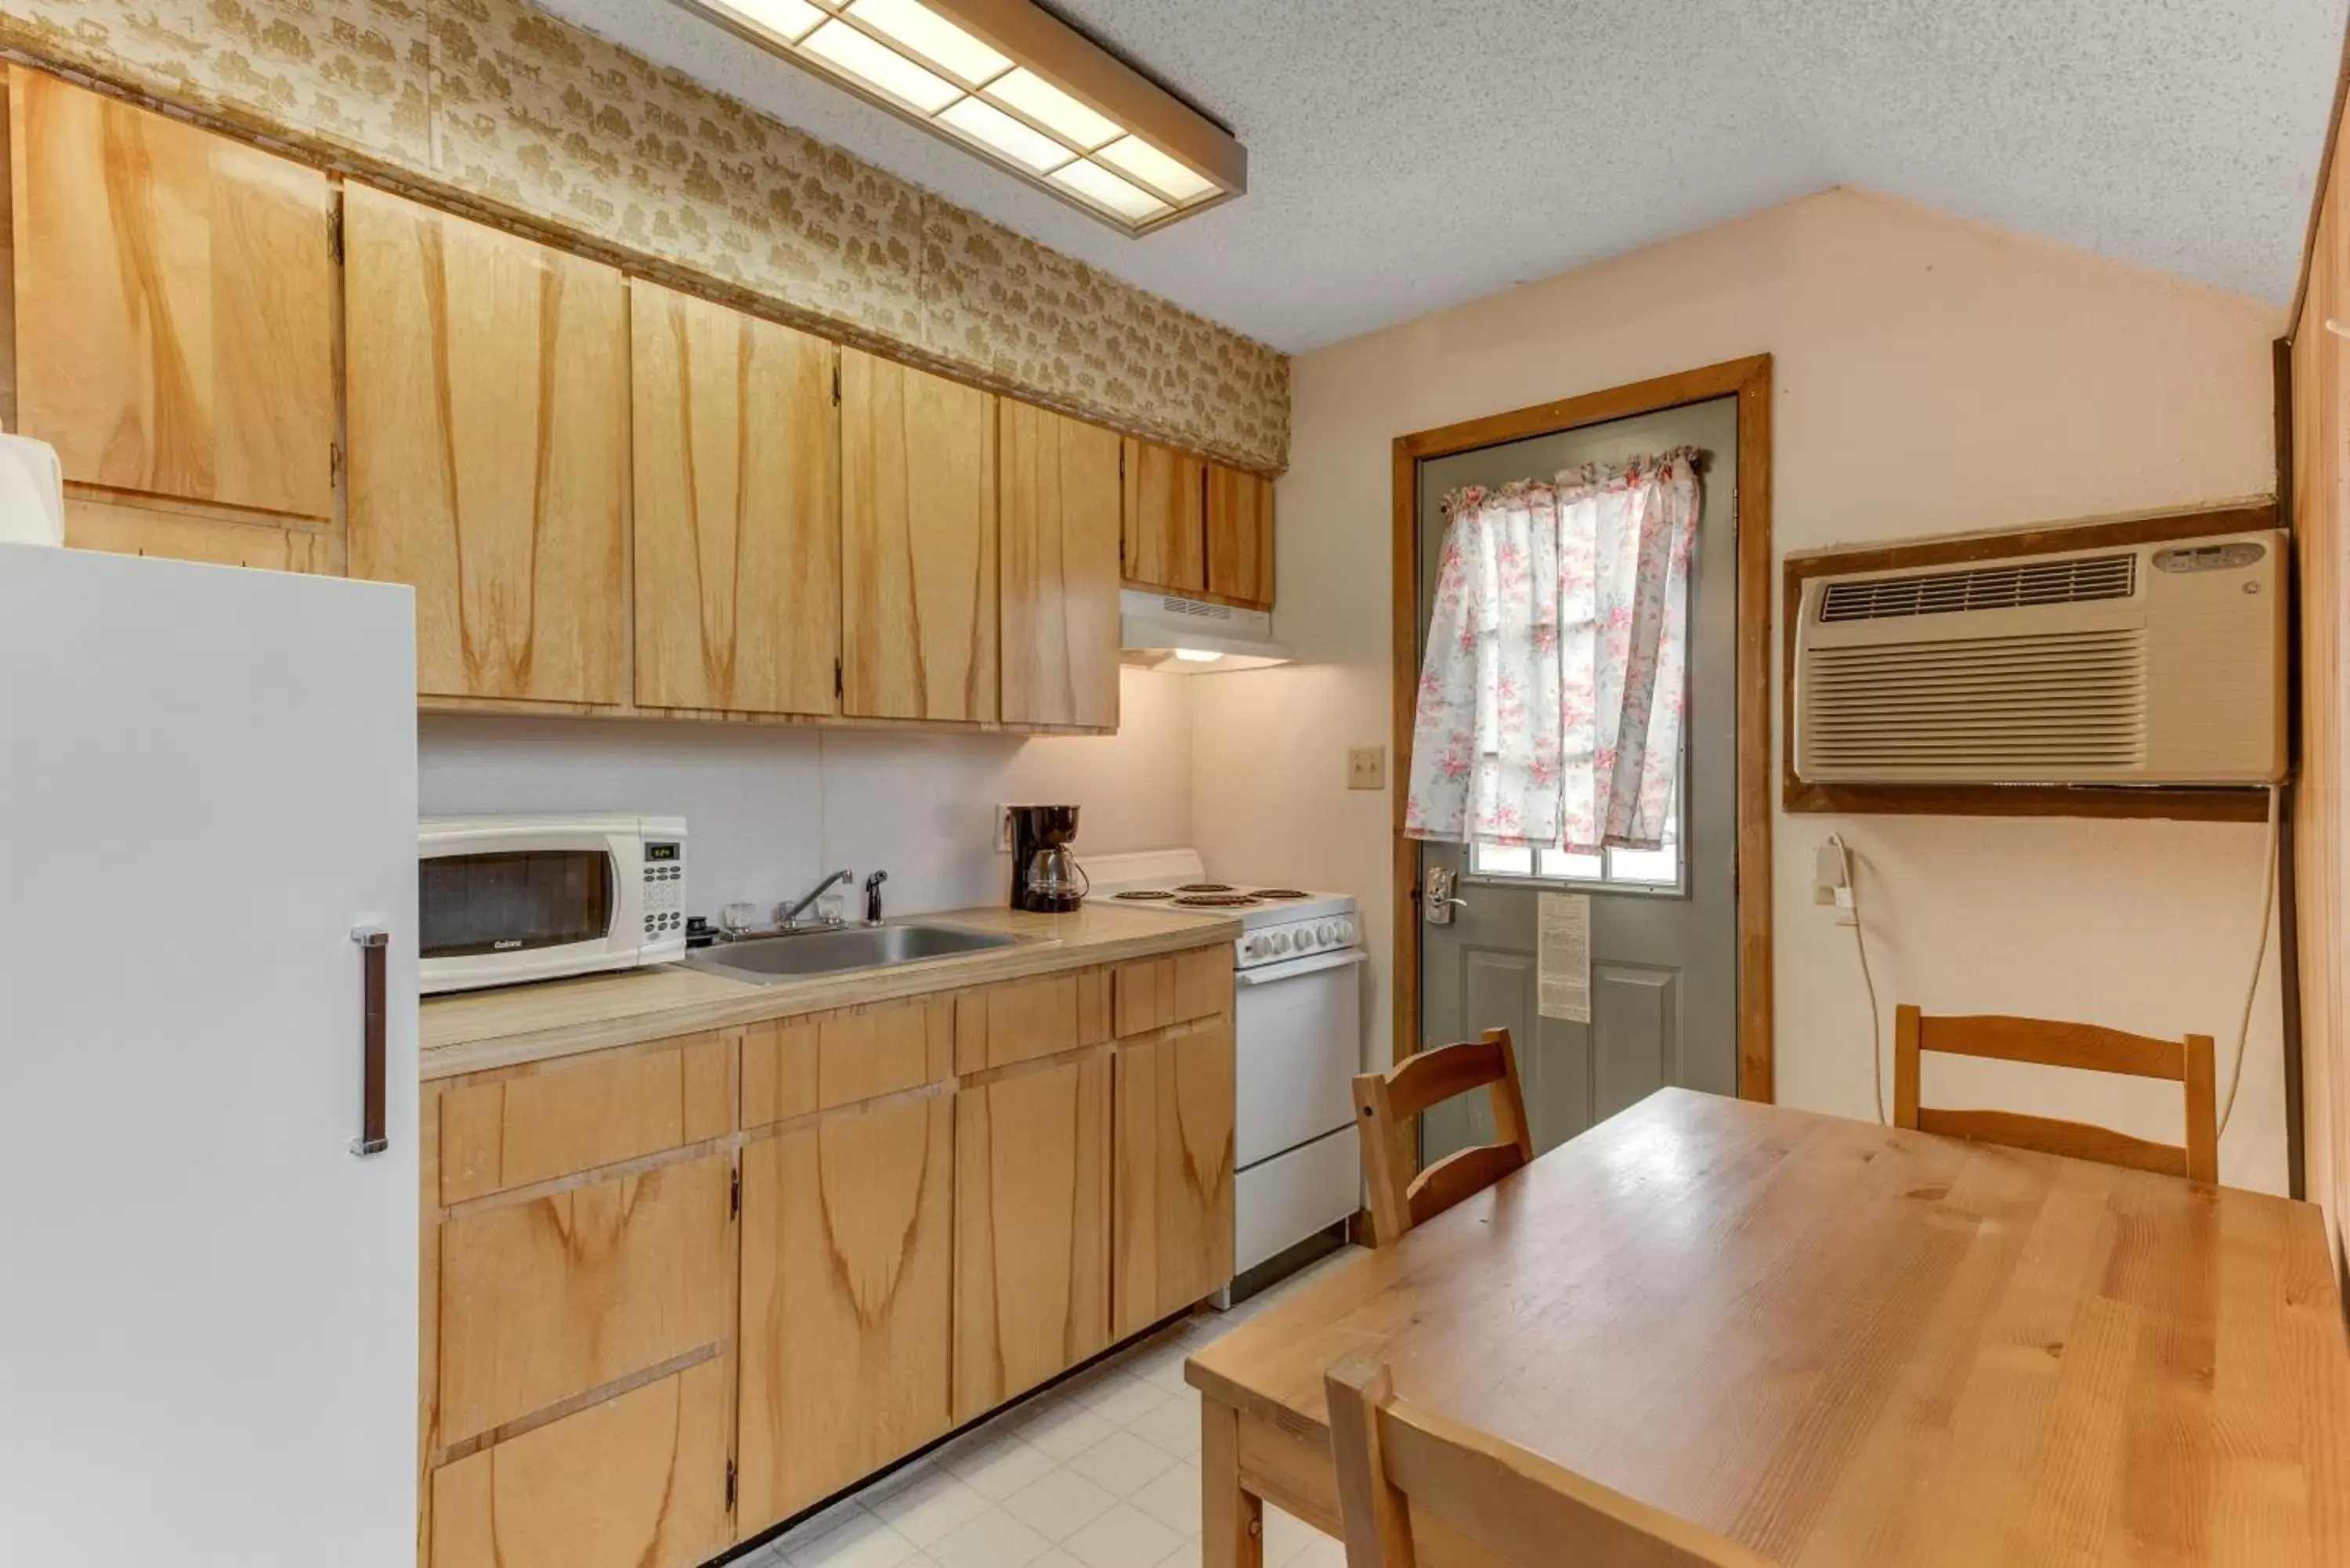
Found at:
<point>1366,767</point>
<point>1004,830</point>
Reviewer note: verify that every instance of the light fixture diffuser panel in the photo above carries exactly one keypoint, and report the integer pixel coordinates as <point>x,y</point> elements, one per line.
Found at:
<point>1017,86</point>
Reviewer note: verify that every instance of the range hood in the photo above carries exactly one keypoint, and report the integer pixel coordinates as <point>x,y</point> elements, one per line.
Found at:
<point>1193,637</point>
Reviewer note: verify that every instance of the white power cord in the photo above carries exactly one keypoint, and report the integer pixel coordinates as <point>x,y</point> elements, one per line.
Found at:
<point>1850,901</point>
<point>2260,951</point>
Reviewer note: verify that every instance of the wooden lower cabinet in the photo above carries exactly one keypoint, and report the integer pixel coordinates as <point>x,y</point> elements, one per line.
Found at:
<point>1032,1229</point>
<point>675,1292</point>
<point>1173,1215</point>
<point>639,1481</point>
<point>545,1300</point>
<point>848,1293</point>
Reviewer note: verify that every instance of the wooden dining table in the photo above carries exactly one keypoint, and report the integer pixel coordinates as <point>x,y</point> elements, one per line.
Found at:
<point>1836,1343</point>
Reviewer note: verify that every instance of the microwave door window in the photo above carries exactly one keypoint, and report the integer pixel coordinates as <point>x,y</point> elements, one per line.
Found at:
<point>470,905</point>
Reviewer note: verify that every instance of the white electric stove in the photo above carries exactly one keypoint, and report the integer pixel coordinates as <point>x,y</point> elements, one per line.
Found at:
<point>1297,1022</point>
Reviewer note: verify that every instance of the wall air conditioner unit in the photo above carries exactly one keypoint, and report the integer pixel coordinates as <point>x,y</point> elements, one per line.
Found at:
<point>2148,664</point>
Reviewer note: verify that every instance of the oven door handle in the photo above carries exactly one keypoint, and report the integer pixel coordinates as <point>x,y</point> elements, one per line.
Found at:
<point>1312,963</point>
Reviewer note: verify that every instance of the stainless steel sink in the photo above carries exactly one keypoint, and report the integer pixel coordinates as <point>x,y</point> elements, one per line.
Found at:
<point>765,960</point>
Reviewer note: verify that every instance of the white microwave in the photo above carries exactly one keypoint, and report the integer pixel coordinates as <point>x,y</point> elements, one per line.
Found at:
<point>506,899</point>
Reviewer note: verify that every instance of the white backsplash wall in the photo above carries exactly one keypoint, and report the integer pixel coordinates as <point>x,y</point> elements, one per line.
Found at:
<point>773,807</point>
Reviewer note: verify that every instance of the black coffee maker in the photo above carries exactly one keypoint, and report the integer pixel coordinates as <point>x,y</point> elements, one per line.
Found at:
<point>1045,876</point>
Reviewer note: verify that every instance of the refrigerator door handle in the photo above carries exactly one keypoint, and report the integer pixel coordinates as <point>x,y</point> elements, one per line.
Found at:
<point>374,948</point>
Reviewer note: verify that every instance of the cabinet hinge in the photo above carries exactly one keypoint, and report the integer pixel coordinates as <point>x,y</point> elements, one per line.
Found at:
<point>335,231</point>
<point>735,1195</point>
<point>729,1486</point>
<point>334,464</point>
<point>839,681</point>
<point>836,380</point>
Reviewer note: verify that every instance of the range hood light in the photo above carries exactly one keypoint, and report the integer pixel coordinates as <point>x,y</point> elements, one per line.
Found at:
<point>1179,635</point>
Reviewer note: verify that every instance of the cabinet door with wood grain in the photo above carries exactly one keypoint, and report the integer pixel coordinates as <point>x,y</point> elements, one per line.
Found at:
<point>918,522</point>
<point>1173,1195</point>
<point>174,294</point>
<point>848,1294</point>
<point>1240,535</point>
<point>1166,518</point>
<point>488,407</point>
<point>737,476</point>
<point>639,1481</point>
<point>1032,1253</point>
<point>1062,506</point>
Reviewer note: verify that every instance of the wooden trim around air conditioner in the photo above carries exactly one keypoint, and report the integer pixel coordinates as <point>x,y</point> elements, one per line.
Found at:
<point>2247,804</point>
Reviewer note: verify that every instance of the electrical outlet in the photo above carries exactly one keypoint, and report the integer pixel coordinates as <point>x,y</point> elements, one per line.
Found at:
<point>1004,830</point>
<point>1366,767</point>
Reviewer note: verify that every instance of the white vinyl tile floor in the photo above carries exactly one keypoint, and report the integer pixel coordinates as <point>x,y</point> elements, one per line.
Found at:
<point>1100,1471</point>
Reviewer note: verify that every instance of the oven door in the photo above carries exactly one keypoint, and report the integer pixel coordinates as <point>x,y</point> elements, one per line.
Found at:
<point>1299,1044</point>
<point>499,904</point>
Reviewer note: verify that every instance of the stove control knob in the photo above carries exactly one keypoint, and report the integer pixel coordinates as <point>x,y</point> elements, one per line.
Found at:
<point>1277,941</point>
<point>1346,931</point>
<point>1325,933</point>
<point>1253,947</point>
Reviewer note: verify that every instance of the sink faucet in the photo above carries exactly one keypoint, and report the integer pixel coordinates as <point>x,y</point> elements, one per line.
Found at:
<point>787,915</point>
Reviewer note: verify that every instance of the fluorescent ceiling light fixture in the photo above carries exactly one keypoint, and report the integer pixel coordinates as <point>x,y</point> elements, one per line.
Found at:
<point>985,123</point>
<point>1017,86</point>
<point>1132,156</point>
<point>875,64</point>
<point>1054,109</point>
<point>790,20</point>
<point>914,26</point>
<point>1096,183</point>
<point>1197,655</point>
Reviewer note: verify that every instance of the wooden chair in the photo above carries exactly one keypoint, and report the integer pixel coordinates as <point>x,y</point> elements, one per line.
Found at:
<point>1385,1105</point>
<point>1395,1461</point>
<point>2055,1044</point>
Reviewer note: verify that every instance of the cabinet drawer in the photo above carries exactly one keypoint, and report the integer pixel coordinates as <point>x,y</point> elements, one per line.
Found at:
<point>639,1481</point>
<point>1004,1024</point>
<point>797,1066</point>
<point>1155,992</point>
<point>545,1300</point>
<point>574,1115</point>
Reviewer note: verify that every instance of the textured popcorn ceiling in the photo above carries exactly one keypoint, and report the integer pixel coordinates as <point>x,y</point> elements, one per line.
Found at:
<point>1409,154</point>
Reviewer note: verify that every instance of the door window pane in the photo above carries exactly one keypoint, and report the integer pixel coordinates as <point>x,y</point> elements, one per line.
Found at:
<point>1641,869</point>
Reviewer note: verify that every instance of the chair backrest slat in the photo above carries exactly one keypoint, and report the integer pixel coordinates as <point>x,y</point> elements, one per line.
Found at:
<point>2049,1042</point>
<point>1396,1461</point>
<point>1385,1105</point>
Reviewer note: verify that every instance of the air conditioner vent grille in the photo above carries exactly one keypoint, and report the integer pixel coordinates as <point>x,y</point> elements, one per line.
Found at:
<point>1991,587</point>
<point>2033,706</point>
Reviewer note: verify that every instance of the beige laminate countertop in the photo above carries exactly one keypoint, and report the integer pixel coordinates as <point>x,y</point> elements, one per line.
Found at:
<point>473,1030</point>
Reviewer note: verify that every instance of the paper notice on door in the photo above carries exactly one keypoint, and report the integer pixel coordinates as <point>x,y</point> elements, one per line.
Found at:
<point>1563,960</point>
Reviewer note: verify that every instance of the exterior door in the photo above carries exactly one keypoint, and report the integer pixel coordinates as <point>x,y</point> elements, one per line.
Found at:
<point>1664,924</point>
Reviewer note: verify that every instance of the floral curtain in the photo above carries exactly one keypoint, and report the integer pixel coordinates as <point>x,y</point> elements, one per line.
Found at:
<point>1552,697</point>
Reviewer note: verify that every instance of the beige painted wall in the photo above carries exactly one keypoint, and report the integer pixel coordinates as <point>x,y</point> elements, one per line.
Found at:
<point>1932,375</point>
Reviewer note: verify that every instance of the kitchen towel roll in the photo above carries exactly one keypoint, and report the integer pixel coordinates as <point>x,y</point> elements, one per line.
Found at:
<point>32,493</point>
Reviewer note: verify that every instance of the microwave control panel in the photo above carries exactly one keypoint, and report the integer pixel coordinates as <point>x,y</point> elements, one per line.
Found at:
<point>664,900</point>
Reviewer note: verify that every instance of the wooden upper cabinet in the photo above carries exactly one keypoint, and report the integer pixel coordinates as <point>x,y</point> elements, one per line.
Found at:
<point>917,528</point>
<point>174,294</point>
<point>1062,501</point>
<point>737,509</point>
<point>488,410</point>
<point>1166,518</point>
<point>1240,535</point>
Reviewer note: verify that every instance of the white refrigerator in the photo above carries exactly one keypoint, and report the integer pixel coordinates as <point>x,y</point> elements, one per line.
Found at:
<point>208,1162</point>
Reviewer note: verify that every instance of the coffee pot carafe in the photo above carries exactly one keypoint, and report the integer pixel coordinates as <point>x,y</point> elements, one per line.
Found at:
<point>1045,876</point>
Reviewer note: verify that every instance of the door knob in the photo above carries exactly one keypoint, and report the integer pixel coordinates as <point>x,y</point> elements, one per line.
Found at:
<point>1437,901</point>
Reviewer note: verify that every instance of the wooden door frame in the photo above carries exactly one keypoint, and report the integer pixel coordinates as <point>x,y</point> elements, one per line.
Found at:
<point>1749,381</point>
